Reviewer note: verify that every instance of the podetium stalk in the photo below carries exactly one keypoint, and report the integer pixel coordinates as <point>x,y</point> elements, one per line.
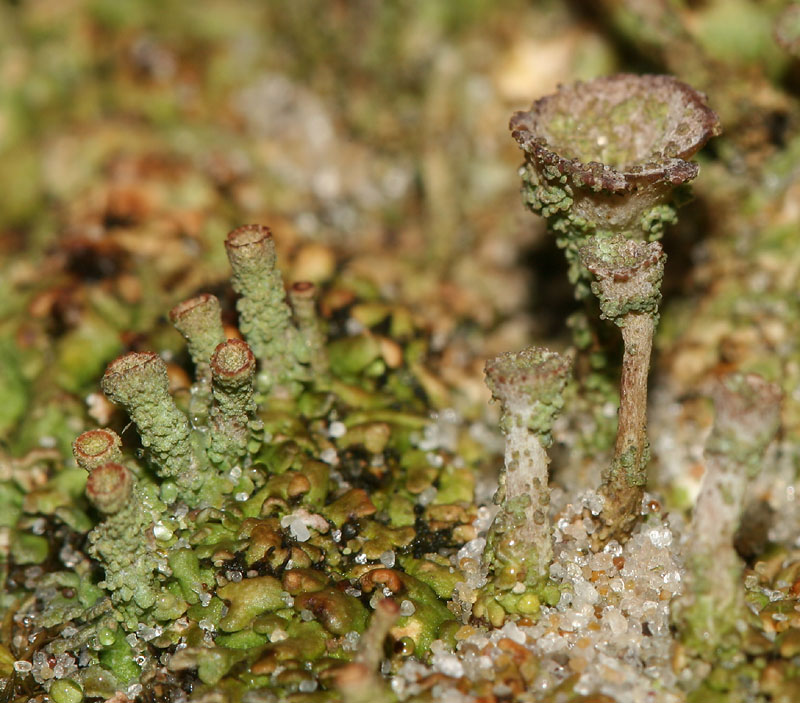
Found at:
<point>360,681</point>
<point>628,285</point>
<point>233,367</point>
<point>199,320</point>
<point>747,418</point>
<point>121,542</point>
<point>303,297</point>
<point>264,315</point>
<point>138,381</point>
<point>529,385</point>
<point>607,157</point>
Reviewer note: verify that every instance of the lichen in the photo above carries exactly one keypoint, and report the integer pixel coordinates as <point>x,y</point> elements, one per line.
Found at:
<point>747,417</point>
<point>367,468</point>
<point>530,386</point>
<point>229,533</point>
<point>615,174</point>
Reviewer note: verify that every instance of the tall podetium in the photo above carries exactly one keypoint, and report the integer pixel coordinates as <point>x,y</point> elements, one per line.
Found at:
<point>628,285</point>
<point>199,320</point>
<point>138,382</point>
<point>605,157</point>
<point>603,160</point>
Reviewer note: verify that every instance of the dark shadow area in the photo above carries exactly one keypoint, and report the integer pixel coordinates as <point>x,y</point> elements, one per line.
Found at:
<point>630,57</point>
<point>551,297</point>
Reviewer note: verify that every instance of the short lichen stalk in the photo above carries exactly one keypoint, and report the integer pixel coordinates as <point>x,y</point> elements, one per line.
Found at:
<point>233,367</point>
<point>264,315</point>
<point>130,510</point>
<point>628,287</point>
<point>303,297</point>
<point>138,381</point>
<point>360,682</point>
<point>199,321</point>
<point>529,385</point>
<point>747,417</point>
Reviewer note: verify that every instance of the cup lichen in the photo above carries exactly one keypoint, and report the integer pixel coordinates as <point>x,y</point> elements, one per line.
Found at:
<point>605,157</point>
<point>264,315</point>
<point>138,381</point>
<point>233,368</point>
<point>529,386</point>
<point>222,539</point>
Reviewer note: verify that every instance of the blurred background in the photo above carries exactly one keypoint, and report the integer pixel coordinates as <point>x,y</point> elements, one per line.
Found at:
<point>371,136</point>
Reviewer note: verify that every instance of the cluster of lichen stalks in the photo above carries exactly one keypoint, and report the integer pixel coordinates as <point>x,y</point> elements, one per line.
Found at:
<point>602,161</point>
<point>212,501</point>
<point>193,459</point>
<point>228,543</point>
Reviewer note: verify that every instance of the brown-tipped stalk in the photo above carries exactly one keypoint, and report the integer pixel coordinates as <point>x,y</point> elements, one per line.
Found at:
<point>264,315</point>
<point>303,297</point>
<point>747,418</point>
<point>138,382</point>
<point>529,385</point>
<point>628,285</point>
<point>199,320</point>
<point>233,367</point>
<point>97,447</point>
<point>359,682</point>
<point>109,487</point>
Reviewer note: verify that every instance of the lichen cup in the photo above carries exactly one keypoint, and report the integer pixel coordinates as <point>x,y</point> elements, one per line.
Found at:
<point>606,156</point>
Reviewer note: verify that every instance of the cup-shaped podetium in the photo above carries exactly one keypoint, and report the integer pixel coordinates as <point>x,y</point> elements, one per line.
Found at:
<point>605,156</point>
<point>529,385</point>
<point>233,367</point>
<point>94,448</point>
<point>303,297</point>
<point>628,277</point>
<point>251,252</point>
<point>109,487</point>
<point>747,412</point>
